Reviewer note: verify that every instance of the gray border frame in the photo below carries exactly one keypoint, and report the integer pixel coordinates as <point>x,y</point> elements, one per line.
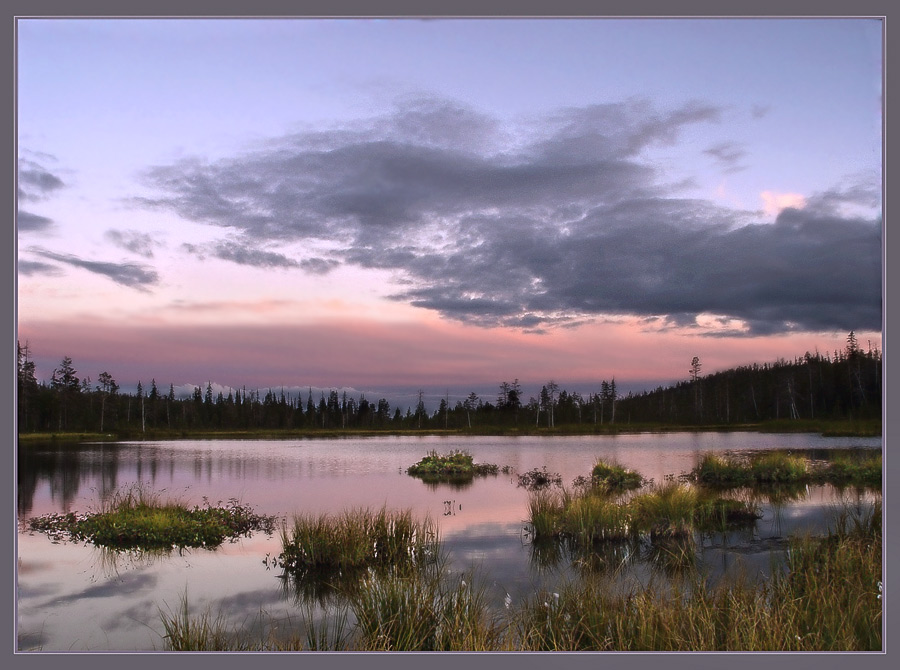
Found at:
<point>459,8</point>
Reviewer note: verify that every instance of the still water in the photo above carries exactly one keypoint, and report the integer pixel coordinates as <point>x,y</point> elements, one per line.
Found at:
<point>75,597</point>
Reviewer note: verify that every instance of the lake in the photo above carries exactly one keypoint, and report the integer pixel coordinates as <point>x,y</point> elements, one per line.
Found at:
<point>76,597</point>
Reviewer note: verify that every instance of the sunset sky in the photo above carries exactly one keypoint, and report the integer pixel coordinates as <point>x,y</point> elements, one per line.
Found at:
<point>395,204</point>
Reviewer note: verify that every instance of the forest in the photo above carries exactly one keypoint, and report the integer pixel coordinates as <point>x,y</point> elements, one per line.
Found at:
<point>836,386</point>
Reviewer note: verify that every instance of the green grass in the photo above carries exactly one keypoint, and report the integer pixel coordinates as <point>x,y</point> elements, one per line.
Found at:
<point>135,518</point>
<point>453,466</point>
<point>826,596</point>
<point>356,539</point>
<point>615,477</point>
<point>780,468</point>
<point>671,509</point>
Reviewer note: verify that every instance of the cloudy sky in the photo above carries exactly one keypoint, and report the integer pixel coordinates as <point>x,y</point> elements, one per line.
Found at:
<point>436,204</point>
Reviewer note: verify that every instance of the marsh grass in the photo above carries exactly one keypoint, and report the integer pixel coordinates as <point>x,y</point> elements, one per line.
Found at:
<point>397,612</point>
<point>356,540</point>
<point>615,477</point>
<point>825,597</point>
<point>782,469</point>
<point>455,466</point>
<point>136,518</point>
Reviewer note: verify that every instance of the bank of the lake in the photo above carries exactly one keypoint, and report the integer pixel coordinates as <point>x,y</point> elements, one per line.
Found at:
<point>845,428</point>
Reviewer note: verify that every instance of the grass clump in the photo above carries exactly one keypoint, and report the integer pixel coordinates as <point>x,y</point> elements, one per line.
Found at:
<point>615,477</point>
<point>457,465</point>
<point>827,597</point>
<point>668,510</point>
<point>136,518</point>
<point>865,469</point>
<point>781,468</point>
<point>396,612</point>
<point>357,539</point>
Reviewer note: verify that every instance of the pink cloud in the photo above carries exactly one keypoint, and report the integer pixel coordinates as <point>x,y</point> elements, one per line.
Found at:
<point>370,353</point>
<point>774,202</point>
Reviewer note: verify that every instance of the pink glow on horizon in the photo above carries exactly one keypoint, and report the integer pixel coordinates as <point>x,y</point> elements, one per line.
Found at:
<point>365,352</point>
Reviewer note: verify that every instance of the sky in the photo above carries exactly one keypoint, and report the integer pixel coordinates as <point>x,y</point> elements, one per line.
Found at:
<point>387,205</point>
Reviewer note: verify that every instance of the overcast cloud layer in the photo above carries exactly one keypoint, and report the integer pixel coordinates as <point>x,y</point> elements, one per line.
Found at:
<point>548,223</point>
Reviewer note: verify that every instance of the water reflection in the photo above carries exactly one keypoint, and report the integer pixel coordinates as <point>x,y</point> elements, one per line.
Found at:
<point>74,597</point>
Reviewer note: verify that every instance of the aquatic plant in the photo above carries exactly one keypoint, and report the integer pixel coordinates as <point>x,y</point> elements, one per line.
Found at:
<point>670,509</point>
<point>615,477</point>
<point>455,465</point>
<point>535,480</point>
<point>357,539</point>
<point>135,517</point>
<point>826,597</point>
<point>783,469</point>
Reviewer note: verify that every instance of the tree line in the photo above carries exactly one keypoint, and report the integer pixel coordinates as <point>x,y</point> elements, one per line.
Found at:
<point>844,384</point>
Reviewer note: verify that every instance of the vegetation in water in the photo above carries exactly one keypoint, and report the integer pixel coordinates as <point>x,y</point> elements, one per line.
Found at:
<point>535,480</point>
<point>826,596</point>
<point>615,477</point>
<point>592,515</point>
<point>135,518</point>
<point>457,465</point>
<point>356,540</point>
<point>784,468</point>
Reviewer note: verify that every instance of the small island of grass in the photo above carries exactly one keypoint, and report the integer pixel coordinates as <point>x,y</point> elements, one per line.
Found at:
<point>137,519</point>
<point>615,477</point>
<point>455,466</point>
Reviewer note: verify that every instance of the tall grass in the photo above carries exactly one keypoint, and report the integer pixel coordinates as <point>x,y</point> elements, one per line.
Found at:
<point>357,539</point>
<point>779,468</point>
<point>670,509</point>
<point>826,597</point>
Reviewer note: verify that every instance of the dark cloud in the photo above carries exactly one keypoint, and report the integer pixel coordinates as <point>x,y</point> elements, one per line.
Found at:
<point>728,155</point>
<point>30,268</point>
<point>26,222</point>
<point>244,255</point>
<point>35,182</point>
<point>126,274</point>
<point>546,224</point>
<point>138,243</point>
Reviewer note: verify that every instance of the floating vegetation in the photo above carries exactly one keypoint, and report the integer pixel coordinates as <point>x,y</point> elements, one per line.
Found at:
<point>535,480</point>
<point>668,510</point>
<point>455,466</point>
<point>780,468</point>
<point>136,519</point>
<point>616,477</point>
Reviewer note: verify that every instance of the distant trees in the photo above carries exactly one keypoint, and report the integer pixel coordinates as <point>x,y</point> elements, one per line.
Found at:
<point>842,384</point>
<point>695,379</point>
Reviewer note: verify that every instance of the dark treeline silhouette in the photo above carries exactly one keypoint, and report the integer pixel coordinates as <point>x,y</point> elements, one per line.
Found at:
<point>841,385</point>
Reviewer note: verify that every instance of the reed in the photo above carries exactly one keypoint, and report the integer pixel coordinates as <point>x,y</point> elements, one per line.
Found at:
<point>826,597</point>
<point>357,539</point>
<point>782,469</point>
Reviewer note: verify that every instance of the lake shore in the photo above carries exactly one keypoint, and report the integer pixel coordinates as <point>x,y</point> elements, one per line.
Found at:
<point>847,428</point>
